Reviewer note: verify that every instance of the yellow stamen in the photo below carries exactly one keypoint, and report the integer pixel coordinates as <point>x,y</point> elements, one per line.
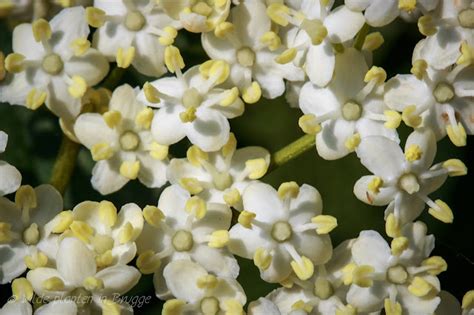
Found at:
<point>107,213</point>
<point>455,167</point>
<point>245,219</point>
<point>101,151</point>
<point>303,269</point>
<point>419,287</point>
<point>196,206</point>
<point>130,169</point>
<point>271,40</point>
<point>14,63</point>
<point>148,263</point>
<point>288,190</point>
<point>398,245</point>
<point>413,153</point>
<point>410,118</point>
<point>78,86</point>
<point>158,151</point>
<point>112,118</point>
<point>80,46</point>
<point>252,93</point>
<point>124,58</point>
<point>151,93</point>
<point>256,167</point>
<point>41,30</point>
<point>457,134</point>
<point>443,212</point>
<point>326,223</point>
<point>144,118</point>
<point>35,99</point>
<point>376,73</point>
<point>373,41</point>
<point>22,288</point>
<point>169,36</point>
<point>153,216</point>
<point>262,258</point>
<point>173,59</point>
<point>437,265</point>
<point>419,68</point>
<point>309,124</point>
<point>95,17</point>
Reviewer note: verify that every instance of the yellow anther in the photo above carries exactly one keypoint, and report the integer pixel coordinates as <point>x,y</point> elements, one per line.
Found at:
<point>102,243</point>
<point>195,155</point>
<point>93,284</point>
<point>232,197</point>
<point>144,118</point>
<point>148,262</point>
<point>31,235</point>
<point>126,233</point>
<point>348,272</point>
<point>41,30</point>
<point>419,287</point>
<point>392,226</point>
<point>202,8</point>
<point>124,57</point>
<point>288,190</point>
<point>426,25</point>
<point>373,41</point>
<point>223,29</point>
<point>66,3</point>
<point>467,54</point>
<point>35,99</point>
<point>158,151</point>
<point>413,153</point>
<point>112,118</point>
<point>323,288</point>
<point>392,307</point>
<point>82,231</point>
<point>398,245</point>
<point>196,206</point>
<point>80,46</point>
<point>169,36</point>
<point>457,134</point>
<point>130,169</point>
<point>301,305</point>
<point>219,239</point>
<point>361,276</point>
<point>219,71</point>
<point>325,223</point>
<point>375,184</point>
<point>230,97</point>
<point>245,218</point>
<point>230,146</point>
<point>62,221</point>
<point>303,269</point>
<point>346,310</point>
<point>207,282</point>
<point>110,307</point>
<point>14,63</point>
<point>252,93</point>
<point>101,151</point>
<point>36,260</point>
<point>309,124</point>
<point>287,283</point>
<point>153,215</point>
<point>352,142</point>
<point>315,30</point>
<point>107,213</point>
<point>468,300</point>
<point>410,117</point>
<point>233,307</point>
<point>189,115</point>
<point>53,284</point>
<point>286,56</point>
<point>262,258</point>
<point>105,259</point>
<point>278,13</point>
<point>271,40</point>
<point>443,212</point>
<point>393,119</point>
<point>22,288</point>
<point>95,17</point>
<point>376,73</point>
<point>437,265</point>
<point>256,168</point>
<point>191,184</point>
<point>25,197</point>
<point>407,5</point>
<point>173,307</point>
<point>78,86</point>
<point>6,234</point>
<point>173,59</point>
<point>152,94</point>
<point>419,68</point>
<point>455,167</point>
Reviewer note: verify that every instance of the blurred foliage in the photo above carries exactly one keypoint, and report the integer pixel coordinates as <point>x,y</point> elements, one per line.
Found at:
<point>34,139</point>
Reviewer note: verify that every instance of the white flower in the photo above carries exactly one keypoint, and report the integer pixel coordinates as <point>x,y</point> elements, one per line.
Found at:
<point>191,105</point>
<point>23,239</point>
<point>253,66</point>
<point>404,181</point>
<point>314,30</point>
<point>382,12</point>
<point>76,274</point>
<point>185,227</point>
<point>220,176</point>
<point>121,143</point>
<point>132,33</point>
<point>282,231</point>
<point>347,110</point>
<point>53,64</point>
<point>402,277</point>
<point>468,303</point>
<point>198,292</point>
<point>10,177</point>
<point>437,99</point>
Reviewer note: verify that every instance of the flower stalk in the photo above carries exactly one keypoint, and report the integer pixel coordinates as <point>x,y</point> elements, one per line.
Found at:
<point>64,165</point>
<point>292,150</point>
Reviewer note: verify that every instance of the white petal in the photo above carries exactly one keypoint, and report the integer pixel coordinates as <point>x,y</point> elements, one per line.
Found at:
<point>349,73</point>
<point>242,155</point>
<point>413,305</point>
<point>317,101</point>
<point>180,168</point>
<point>60,102</point>
<point>49,202</point>
<point>280,267</point>
<point>210,130</point>
<point>181,277</point>
<point>3,141</point>
<point>24,43</point>
<point>217,48</point>
<point>368,127</point>
<point>382,198</point>
<point>244,242</point>
<point>358,5</point>
<point>110,37</point>
<point>15,89</point>
<point>371,249</point>
<point>425,139</point>
<point>58,307</point>
<point>263,200</point>
<point>118,279</point>
<point>263,306</point>
<point>12,264</point>
<point>90,129</point>
<point>306,205</point>
<point>37,277</point>
<point>367,299</point>
<point>132,214</point>
<point>464,84</point>
<point>442,49</point>
<point>68,25</point>
<point>404,90</point>
<point>10,178</point>
<point>149,55</point>
<point>330,142</point>
<point>124,100</point>
<point>166,126</point>
<point>111,8</point>
<point>343,24</point>
<point>17,307</point>
<point>172,202</point>
<point>106,178</point>
<point>251,22</point>
<point>271,83</point>
<point>152,171</point>
<point>218,217</point>
<point>76,261</point>
<point>320,62</point>
<point>92,66</point>
<point>318,248</point>
<point>381,12</point>
<point>217,261</point>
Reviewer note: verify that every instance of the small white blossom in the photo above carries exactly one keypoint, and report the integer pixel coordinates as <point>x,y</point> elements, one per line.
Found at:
<point>10,177</point>
<point>121,143</point>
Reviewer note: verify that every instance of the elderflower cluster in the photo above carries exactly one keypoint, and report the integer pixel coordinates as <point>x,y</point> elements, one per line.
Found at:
<point>214,205</point>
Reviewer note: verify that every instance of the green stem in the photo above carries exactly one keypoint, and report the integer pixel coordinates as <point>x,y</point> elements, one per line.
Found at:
<point>292,150</point>
<point>360,39</point>
<point>64,165</point>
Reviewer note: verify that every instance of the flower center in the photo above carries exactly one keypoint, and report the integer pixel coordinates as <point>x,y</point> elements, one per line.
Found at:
<point>191,98</point>
<point>52,64</point>
<point>351,111</point>
<point>409,183</point>
<point>134,21</point>
<point>209,306</point>
<point>102,243</point>
<point>222,181</point>
<point>182,241</point>
<point>129,141</point>
<point>246,57</point>
<point>281,231</point>
<point>466,18</point>
<point>443,92</point>
<point>397,274</point>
